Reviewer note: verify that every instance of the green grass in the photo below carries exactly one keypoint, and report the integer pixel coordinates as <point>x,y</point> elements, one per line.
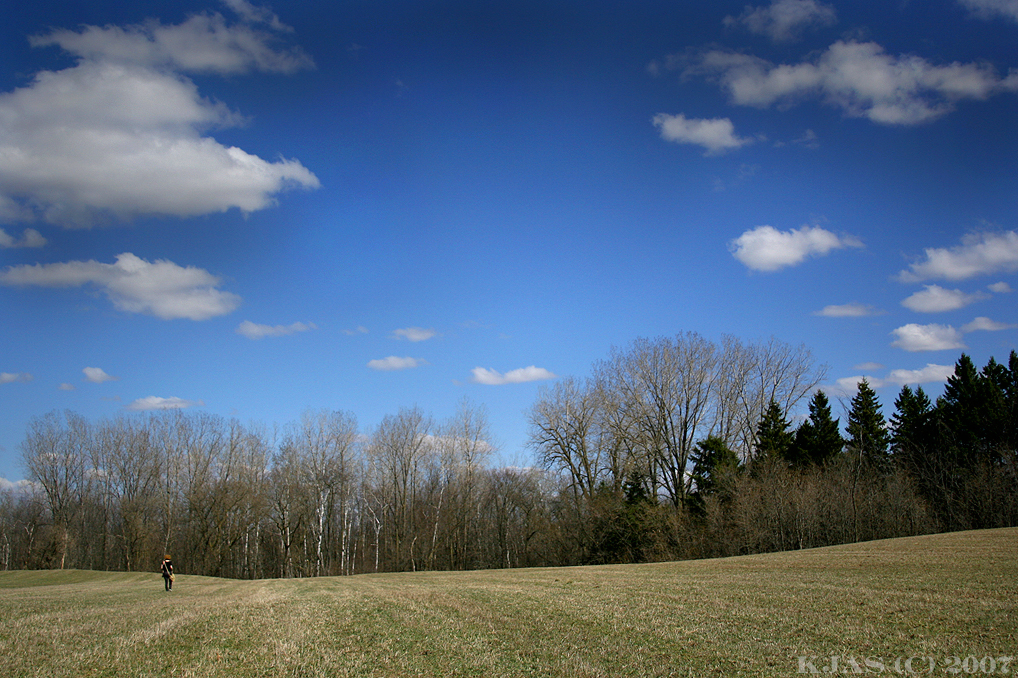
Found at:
<point>939,595</point>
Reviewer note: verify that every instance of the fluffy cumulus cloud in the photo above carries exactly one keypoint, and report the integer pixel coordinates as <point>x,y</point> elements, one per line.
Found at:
<point>765,248</point>
<point>162,288</point>
<point>158,403</point>
<point>393,363</point>
<point>255,331</point>
<point>1000,288</point>
<point>14,377</point>
<point>913,337</point>
<point>984,324</point>
<point>204,43</point>
<point>29,238</point>
<point>122,132</point>
<point>489,377</point>
<point>97,375</point>
<point>978,254</point>
<point>850,310</point>
<point>716,135</point>
<point>926,375</point>
<point>847,386</point>
<point>860,78</point>
<point>784,20</point>
<point>936,299</point>
<point>989,9</point>
<point>19,487</point>
<point>414,333</point>
<point>869,366</point>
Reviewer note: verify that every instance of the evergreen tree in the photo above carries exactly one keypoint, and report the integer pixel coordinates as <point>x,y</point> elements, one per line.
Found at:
<point>714,467</point>
<point>973,410</point>
<point>911,423</point>
<point>773,439</point>
<point>1011,406</point>
<point>867,433</point>
<point>818,439</point>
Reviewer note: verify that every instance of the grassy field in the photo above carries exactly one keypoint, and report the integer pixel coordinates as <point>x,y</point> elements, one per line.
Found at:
<point>934,596</point>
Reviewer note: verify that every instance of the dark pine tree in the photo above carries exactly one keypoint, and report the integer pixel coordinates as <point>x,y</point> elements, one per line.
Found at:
<point>973,411</point>
<point>911,434</point>
<point>867,433</point>
<point>714,468</point>
<point>1011,407</point>
<point>773,439</point>
<point>818,439</point>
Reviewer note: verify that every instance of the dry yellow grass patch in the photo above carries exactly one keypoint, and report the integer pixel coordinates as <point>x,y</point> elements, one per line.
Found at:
<point>939,595</point>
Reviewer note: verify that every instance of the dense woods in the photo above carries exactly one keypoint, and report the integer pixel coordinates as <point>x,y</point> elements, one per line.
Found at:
<point>672,448</point>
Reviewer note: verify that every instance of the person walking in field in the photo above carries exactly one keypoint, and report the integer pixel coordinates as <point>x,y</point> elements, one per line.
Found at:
<point>167,570</point>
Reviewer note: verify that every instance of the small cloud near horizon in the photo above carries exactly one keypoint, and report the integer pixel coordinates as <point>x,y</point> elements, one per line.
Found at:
<point>490,377</point>
<point>936,299</point>
<point>913,337</point>
<point>255,331</point>
<point>96,375</point>
<point>414,333</point>
<point>158,403</point>
<point>850,310</point>
<point>393,363</point>
<point>984,324</point>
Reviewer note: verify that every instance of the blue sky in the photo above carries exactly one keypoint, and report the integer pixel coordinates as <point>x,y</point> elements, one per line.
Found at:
<point>255,209</point>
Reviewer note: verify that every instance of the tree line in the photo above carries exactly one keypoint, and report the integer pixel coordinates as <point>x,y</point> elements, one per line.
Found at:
<point>675,447</point>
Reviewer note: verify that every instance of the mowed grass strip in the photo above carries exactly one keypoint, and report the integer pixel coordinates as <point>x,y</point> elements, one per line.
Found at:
<point>938,595</point>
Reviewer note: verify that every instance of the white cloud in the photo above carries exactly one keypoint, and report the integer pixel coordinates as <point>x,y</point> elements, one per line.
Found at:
<point>913,337</point>
<point>157,403</point>
<point>988,9</point>
<point>67,387</point>
<point>978,254</point>
<point>847,386</point>
<point>765,248</point>
<point>524,374</point>
<point>121,133</point>
<point>395,363</point>
<point>162,289</point>
<point>984,324</point>
<point>716,135</point>
<point>203,43</point>
<point>360,329</point>
<point>414,333</point>
<point>809,139</point>
<point>784,20</point>
<point>12,377</point>
<point>936,299</point>
<point>929,374</point>
<point>1000,288</point>
<point>19,486</point>
<point>850,310</point>
<point>869,367</point>
<point>96,375</point>
<point>29,238</point>
<point>254,331</point>
<point>859,78</point>
<point>253,14</point>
